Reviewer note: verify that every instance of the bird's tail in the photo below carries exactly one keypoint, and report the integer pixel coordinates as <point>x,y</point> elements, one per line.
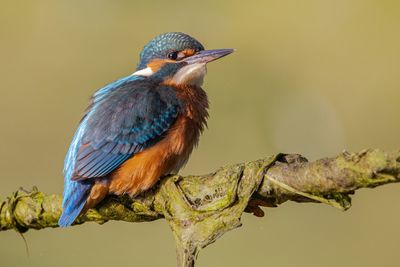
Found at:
<point>75,195</point>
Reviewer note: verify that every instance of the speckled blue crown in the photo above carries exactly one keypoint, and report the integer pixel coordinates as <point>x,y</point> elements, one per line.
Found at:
<point>161,45</point>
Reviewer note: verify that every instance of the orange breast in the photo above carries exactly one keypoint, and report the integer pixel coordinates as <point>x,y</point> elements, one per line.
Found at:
<point>167,156</point>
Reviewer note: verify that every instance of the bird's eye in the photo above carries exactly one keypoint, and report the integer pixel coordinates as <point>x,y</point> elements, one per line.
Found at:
<point>173,55</point>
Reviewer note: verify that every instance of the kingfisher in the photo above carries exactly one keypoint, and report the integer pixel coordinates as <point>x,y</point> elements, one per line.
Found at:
<point>141,127</point>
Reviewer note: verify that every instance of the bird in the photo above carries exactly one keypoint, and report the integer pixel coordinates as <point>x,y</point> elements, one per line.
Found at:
<point>141,127</point>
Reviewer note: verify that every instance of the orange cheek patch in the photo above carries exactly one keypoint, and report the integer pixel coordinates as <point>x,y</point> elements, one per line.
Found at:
<point>157,64</point>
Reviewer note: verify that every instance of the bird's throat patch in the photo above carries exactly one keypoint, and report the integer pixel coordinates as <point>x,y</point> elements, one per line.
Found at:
<point>192,74</point>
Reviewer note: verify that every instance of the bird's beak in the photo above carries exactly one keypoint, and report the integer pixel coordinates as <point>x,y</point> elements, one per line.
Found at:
<point>206,56</point>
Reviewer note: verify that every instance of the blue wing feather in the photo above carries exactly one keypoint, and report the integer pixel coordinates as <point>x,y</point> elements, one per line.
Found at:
<point>127,120</point>
<point>124,118</point>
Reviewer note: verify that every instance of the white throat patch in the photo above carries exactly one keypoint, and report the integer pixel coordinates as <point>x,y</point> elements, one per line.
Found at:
<point>144,72</point>
<point>192,74</point>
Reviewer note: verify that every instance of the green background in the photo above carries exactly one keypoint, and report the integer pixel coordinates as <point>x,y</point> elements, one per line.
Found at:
<point>313,77</point>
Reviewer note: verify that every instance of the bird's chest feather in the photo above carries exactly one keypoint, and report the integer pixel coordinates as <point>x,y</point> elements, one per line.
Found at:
<point>170,153</point>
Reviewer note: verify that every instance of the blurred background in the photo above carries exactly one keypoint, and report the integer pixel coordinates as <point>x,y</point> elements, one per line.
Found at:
<point>312,77</point>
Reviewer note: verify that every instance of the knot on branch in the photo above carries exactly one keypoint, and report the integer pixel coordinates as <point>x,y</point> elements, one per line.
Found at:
<point>200,209</point>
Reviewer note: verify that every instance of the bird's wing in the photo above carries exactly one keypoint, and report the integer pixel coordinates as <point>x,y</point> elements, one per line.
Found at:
<point>120,123</point>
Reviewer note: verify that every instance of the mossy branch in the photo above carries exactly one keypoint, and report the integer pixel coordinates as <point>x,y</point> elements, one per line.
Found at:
<point>200,209</point>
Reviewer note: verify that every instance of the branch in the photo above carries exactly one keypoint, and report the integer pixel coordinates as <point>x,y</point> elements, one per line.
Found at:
<point>200,209</point>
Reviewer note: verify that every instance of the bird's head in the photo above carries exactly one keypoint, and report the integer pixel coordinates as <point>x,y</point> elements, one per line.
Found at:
<point>178,58</point>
